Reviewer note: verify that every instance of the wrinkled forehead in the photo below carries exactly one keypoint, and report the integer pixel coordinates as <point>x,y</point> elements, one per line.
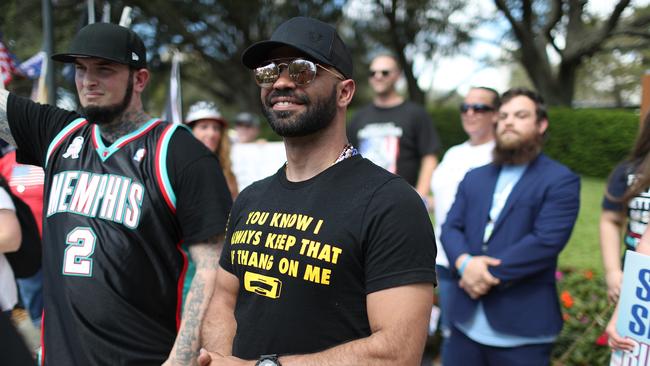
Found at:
<point>520,103</point>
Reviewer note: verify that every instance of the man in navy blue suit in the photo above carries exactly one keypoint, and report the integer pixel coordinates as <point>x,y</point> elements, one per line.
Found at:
<point>503,235</point>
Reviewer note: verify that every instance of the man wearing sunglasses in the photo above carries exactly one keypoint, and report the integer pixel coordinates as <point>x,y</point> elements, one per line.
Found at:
<point>503,235</point>
<point>478,114</point>
<point>330,260</point>
<point>396,134</point>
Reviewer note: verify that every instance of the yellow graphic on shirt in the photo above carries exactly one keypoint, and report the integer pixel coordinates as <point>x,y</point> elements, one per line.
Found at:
<point>262,285</point>
<point>297,255</point>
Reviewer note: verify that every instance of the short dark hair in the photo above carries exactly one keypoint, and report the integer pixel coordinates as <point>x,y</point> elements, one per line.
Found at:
<point>540,105</point>
<point>496,99</point>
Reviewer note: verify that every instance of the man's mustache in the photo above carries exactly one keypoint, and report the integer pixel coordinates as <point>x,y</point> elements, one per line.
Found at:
<point>288,94</point>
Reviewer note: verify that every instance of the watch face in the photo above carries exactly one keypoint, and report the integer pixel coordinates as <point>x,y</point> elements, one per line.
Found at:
<point>267,362</point>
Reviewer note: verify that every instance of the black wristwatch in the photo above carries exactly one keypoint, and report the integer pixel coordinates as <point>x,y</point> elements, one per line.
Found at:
<point>268,360</point>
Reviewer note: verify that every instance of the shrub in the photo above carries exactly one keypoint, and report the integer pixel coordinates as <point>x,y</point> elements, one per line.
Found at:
<point>589,141</point>
<point>448,125</point>
<point>583,299</point>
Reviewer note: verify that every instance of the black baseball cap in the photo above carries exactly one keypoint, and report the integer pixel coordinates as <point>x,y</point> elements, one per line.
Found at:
<point>108,41</point>
<point>246,118</point>
<point>317,39</point>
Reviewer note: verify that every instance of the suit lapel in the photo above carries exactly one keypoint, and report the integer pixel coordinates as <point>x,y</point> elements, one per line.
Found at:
<point>527,180</point>
<point>485,202</point>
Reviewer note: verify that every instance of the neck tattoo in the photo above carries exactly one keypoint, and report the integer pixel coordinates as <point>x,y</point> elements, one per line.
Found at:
<point>126,123</point>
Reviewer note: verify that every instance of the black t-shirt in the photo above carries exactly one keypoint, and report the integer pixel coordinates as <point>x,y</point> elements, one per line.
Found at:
<point>114,221</point>
<point>638,209</point>
<point>395,138</point>
<point>307,254</point>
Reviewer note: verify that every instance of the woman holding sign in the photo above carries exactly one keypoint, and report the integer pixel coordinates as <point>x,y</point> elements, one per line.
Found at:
<point>625,202</point>
<point>615,340</point>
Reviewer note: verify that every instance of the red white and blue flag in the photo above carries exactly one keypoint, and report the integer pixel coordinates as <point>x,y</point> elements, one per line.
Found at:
<point>7,65</point>
<point>26,176</point>
<point>32,67</point>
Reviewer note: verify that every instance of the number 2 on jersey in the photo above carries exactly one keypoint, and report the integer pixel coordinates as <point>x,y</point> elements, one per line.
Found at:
<point>76,258</point>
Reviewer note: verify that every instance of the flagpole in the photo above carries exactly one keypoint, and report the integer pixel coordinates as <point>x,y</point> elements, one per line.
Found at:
<point>125,19</point>
<point>106,12</point>
<point>91,11</point>
<point>48,47</point>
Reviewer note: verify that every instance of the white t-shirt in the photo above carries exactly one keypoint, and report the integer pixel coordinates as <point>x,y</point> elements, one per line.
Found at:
<point>8,290</point>
<point>450,172</point>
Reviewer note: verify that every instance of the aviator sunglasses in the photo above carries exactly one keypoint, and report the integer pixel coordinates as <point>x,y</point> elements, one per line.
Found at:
<point>477,108</point>
<point>301,72</point>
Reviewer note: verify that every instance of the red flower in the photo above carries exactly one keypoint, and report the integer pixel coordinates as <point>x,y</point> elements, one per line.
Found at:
<point>567,300</point>
<point>566,317</point>
<point>602,340</point>
<point>589,274</point>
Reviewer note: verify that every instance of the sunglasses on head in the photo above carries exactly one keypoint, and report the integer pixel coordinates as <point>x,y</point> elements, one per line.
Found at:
<point>383,73</point>
<point>301,72</point>
<point>477,108</point>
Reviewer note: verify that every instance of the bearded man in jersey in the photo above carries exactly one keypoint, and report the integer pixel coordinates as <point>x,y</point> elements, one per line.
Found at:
<point>330,260</point>
<point>124,193</point>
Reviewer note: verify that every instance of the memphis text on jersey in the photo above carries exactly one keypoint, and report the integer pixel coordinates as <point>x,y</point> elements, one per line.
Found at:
<point>105,196</point>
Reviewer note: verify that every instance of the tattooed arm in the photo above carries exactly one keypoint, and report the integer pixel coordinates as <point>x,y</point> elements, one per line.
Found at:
<point>5,133</point>
<point>206,257</point>
<point>219,324</point>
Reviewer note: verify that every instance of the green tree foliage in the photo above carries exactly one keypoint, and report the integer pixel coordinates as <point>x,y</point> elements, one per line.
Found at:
<point>574,35</point>
<point>213,34</point>
<point>21,24</point>
<point>409,27</point>
<point>589,141</point>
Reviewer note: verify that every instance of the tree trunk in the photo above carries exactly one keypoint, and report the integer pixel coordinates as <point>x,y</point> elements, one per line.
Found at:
<point>535,61</point>
<point>399,45</point>
<point>415,93</point>
<point>566,81</point>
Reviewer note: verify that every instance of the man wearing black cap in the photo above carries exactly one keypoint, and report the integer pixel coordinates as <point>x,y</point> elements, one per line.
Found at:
<point>331,260</point>
<point>121,197</point>
<point>247,126</point>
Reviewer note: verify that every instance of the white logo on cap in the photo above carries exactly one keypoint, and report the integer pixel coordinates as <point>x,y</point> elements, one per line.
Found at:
<point>134,56</point>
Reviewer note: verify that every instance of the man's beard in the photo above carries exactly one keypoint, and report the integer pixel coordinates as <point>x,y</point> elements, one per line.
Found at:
<point>520,152</point>
<point>318,116</point>
<point>103,115</point>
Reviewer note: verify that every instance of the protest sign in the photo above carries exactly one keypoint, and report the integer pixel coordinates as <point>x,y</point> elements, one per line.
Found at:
<point>634,311</point>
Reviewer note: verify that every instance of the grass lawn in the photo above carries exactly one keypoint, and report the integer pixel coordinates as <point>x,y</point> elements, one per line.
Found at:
<point>583,250</point>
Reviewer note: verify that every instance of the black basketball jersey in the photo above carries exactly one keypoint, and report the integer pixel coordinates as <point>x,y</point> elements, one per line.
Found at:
<point>114,262</point>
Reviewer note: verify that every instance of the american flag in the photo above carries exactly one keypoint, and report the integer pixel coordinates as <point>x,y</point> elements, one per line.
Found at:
<point>32,66</point>
<point>26,176</point>
<point>7,64</point>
